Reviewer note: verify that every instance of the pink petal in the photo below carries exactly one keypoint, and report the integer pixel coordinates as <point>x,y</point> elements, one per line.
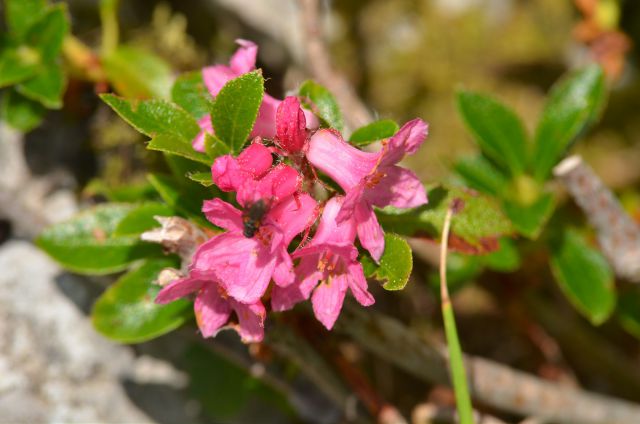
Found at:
<point>284,298</point>
<point>279,183</point>
<point>345,164</point>
<point>252,277</point>
<point>212,311</point>
<point>283,272</point>
<point>265,125</point>
<point>400,188</point>
<point>178,289</point>
<point>291,125</point>
<point>345,250</point>
<point>244,59</point>
<point>352,199</point>
<point>206,126</point>
<point>405,142</point>
<point>223,215</point>
<point>256,159</point>
<point>327,300</point>
<point>293,215</point>
<point>226,173</point>
<point>369,231</point>
<point>216,76</point>
<point>221,255</point>
<point>329,231</point>
<point>358,284</point>
<point>250,321</point>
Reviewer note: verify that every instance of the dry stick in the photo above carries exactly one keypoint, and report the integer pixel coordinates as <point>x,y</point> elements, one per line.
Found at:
<point>319,64</point>
<point>491,383</point>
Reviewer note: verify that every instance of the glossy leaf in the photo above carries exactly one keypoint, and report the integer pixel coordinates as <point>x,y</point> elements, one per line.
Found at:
<point>203,178</point>
<point>584,276</point>
<point>137,73</point>
<point>395,264</point>
<point>177,146</point>
<point>373,132</point>
<point>184,200</point>
<point>215,147</point>
<point>475,229</point>
<point>126,311</point>
<point>191,94</point>
<point>22,14</point>
<point>530,219</point>
<point>21,113</point>
<point>480,174</point>
<point>497,129</point>
<point>85,244</point>
<point>236,108</point>
<point>323,104</point>
<point>573,104</point>
<point>141,219</point>
<point>47,87</point>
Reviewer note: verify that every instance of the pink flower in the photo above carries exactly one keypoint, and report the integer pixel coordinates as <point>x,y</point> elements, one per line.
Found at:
<point>371,179</point>
<point>245,265</point>
<point>291,125</point>
<point>216,76</point>
<point>213,308</point>
<point>331,259</point>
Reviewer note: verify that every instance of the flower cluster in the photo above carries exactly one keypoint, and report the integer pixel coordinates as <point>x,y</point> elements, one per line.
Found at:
<point>265,235</point>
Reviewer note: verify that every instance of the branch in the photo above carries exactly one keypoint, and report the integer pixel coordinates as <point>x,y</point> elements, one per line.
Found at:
<point>491,383</point>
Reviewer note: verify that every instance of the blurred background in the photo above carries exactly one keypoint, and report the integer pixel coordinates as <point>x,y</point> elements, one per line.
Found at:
<point>406,59</point>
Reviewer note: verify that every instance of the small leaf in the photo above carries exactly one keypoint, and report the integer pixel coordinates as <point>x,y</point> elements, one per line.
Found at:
<point>203,178</point>
<point>475,229</point>
<point>323,104</point>
<point>215,147</point>
<point>192,95</point>
<point>628,312</point>
<point>184,200</point>
<point>497,129</point>
<point>138,73</point>
<point>21,113</point>
<point>505,259</point>
<point>127,312</point>
<point>85,244</point>
<point>584,276</point>
<point>22,14</point>
<point>395,264</point>
<point>480,174</point>
<point>236,109</point>
<point>373,132</point>
<point>46,34</point>
<point>573,104</point>
<point>18,64</point>
<point>529,220</point>
<point>47,87</point>
<point>177,146</point>
<point>141,219</point>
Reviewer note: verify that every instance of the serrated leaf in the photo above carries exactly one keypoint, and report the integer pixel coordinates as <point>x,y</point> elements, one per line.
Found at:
<point>21,113</point>
<point>584,276</point>
<point>203,178</point>
<point>48,32</point>
<point>475,229</point>
<point>323,104</point>
<point>497,129</point>
<point>573,104</point>
<point>530,219</point>
<point>192,95</point>
<point>628,311</point>
<point>138,73</point>
<point>141,219</point>
<point>184,200</point>
<point>126,311</point>
<point>395,264</point>
<point>85,244</point>
<point>22,14</point>
<point>480,174</point>
<point>236,108</point>
<point>373,132</point>
<point>47,87</point>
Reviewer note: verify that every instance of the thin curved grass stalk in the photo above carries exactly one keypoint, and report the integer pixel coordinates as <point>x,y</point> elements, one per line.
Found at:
<point>456,365</point>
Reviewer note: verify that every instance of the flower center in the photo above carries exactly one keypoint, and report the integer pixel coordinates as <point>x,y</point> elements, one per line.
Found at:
<point>330,264</point>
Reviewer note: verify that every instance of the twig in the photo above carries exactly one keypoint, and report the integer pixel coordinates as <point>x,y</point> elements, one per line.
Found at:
<point>491,383</point>
<point>319,64</point>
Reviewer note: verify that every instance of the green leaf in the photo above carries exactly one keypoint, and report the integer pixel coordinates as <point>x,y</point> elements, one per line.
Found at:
<point>628,312</point>
<point>138,73</point>
<point>47,34</point>
<point>20,112</point>
<point>529,220</point>
<point>573,104</point>
<point>177,146</point>
<point>46,88</point>
<point>584,276</point>
<point>126,311</point>
<point>505,259</point>
<point>480,174</point>
<point>184,200</point>
<point>203,178</point>
<point>141,219</point>
<point>395,264</point>
<point>497,129</point>
<point>475,229</point>
<point>373,132</point>
<point>85,244</point>
<point>192,95</point>
<point>18,64</point>
<point>214,146</point>
<point>22,14</point>
<point>236,109</point>
<point>461,270</point>
<point>323,104</point>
